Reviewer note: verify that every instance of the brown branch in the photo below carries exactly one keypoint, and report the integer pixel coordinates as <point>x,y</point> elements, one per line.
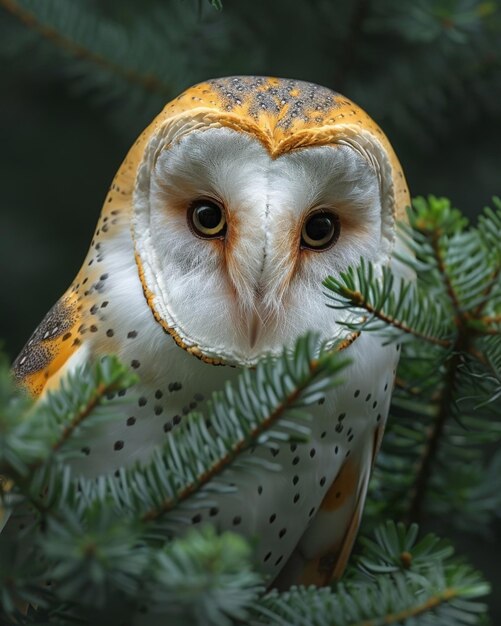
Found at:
<point>413,391</point>
<point>435,432</point>
<point>445,400</point>
<point>458,317</point>
<point>68,430</point>
<point>431,447</point>
<point>463,344</point>
<point>237,449</point>
<point>431,603</point>
<point>149,82</point>
<point>23,481</point>
<point>489,331</point>
<point>84,412</point>
<point>491,319</point>
<point>358,300</point>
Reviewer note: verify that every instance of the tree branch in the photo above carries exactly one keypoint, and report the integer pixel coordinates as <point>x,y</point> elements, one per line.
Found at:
<point>458,316</point>
<point>462,344</point>
<point>398,618</point>
<point>431,447</point>
<point>358,300</point>
<point>491,319</point>
<point>148,82</point>
<point>235,451</point>
<point>84,412</point>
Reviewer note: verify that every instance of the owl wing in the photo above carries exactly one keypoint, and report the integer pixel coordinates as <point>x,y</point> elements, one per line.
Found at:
<point>44,358</point>
<point>54,342</point>
<point>323,552</point>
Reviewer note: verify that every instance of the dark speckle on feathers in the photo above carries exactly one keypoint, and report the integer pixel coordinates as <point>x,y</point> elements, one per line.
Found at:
<point>36,354</point>
<point>285,98</point>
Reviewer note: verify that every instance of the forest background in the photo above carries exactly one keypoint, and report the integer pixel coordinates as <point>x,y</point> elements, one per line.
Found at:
<point>80,80</point>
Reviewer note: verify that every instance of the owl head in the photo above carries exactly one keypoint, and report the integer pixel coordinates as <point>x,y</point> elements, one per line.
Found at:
<point>243,195</point>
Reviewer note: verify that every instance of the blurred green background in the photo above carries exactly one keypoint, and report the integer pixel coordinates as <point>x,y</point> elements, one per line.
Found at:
<point>81,78</point>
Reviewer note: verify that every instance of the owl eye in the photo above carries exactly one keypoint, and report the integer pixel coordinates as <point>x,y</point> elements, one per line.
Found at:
<point>320,230</point>
<point>206,219</point>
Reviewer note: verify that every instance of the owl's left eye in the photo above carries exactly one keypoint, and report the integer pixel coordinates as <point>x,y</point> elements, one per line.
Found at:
<point>206,219</point>
<point>320,230</point>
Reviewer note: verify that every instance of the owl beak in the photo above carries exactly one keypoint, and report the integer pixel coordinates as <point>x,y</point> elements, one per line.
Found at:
<point>254,329</point>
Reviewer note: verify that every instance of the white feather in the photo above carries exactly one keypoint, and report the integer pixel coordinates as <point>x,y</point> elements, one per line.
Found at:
<point>266,201</point>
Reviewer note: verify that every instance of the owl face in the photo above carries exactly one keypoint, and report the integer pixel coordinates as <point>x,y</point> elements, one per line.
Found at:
<point>235,228</point>
<point>242,241</point>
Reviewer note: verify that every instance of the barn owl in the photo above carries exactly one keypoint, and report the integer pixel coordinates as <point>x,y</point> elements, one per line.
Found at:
<point>218,229</point>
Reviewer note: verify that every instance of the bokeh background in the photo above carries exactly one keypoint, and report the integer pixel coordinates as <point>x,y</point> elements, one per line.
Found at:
<point>81,78</point>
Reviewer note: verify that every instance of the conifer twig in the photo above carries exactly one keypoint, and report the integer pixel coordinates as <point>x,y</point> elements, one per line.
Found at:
<point>148,82</point>
<point>491,319</point>
<point>461,344</point>
<point>83,412</point>
<point>357,299</point>
<point>431,603</point>
<point>236,450</point>
<point>458,317</point>
<point>430,450</point>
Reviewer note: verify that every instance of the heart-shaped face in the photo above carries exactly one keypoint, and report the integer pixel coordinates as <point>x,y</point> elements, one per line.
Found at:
<point>248,193</point>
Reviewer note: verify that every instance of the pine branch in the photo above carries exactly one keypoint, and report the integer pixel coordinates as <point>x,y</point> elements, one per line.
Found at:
<point>134,56</point>
<point>112,385</point>
<point>400,578</point>
<point>442,268</point>
<point>468,40</point>
<point>299,377</point>
<point>437,225</point>
<point>266,407</point>
<point>36,442</point>
<point>490,227</point>
<point>147,81</point>
<point>205,577</point>
<point>41,434</point>
<point>100,571</point>
<point>360,290</point>
<point>442,597</point>
<point>434,437</point>
<point>396,547</point>
<point>85,540</point>
<point>437,388</point>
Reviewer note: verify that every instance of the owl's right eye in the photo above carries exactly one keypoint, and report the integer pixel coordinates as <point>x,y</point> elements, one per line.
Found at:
<point>206,219</point>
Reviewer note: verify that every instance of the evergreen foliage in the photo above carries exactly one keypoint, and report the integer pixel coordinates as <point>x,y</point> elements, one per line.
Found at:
<point>449,381</point>
<point>87,551</point>
<point>400,580</point>
<point>102,552</point>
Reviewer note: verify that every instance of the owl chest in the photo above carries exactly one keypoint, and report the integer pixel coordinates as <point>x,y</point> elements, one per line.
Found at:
<point>277,492</point>
<point>276,496</point>
<point>171,384</point>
